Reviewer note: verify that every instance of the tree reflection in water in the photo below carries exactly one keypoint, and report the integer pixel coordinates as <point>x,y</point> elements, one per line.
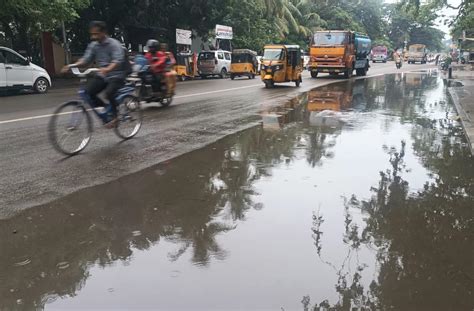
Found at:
<point>423,239</point>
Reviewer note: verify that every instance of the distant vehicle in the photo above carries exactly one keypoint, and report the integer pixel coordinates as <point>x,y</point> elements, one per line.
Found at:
<point>185,65</point>
<point>259,62</point>
<point>417,53</point>
<point>214,63</point>
<point>244,63</point>
<point>306,59</point>
<point>339,51</point>
<point>380,54</point>
<point>17,73</point>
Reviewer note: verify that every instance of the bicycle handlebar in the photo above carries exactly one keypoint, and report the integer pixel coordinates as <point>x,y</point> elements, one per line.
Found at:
<point>85,73</point>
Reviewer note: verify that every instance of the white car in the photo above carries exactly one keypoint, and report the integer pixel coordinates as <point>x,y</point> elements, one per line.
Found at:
<point>17,73</point>
<point>214,63</point>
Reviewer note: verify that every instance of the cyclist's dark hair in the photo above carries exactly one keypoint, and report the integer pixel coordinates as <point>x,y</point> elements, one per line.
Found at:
<point>102,26</point>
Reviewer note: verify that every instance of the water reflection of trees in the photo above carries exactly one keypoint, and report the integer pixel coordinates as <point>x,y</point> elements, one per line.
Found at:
<point>188,201</point>
<point>423,239</point>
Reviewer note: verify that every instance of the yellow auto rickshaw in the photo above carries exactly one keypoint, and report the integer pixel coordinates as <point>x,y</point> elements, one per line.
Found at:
<point>185,66</point>
<point>244,63</point>
<point>281,63</point>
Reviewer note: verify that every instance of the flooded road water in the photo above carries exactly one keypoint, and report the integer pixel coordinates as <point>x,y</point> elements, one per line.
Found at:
<point>357,194</point>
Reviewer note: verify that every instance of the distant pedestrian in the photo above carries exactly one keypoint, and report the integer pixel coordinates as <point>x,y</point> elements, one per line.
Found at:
<point>437,59</point>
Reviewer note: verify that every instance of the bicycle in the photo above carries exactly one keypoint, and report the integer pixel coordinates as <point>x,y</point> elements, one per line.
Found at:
<point>78,121</point>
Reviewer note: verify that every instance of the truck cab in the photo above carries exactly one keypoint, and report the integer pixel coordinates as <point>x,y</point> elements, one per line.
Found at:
<point>379,54</point>
<point>337,52</point>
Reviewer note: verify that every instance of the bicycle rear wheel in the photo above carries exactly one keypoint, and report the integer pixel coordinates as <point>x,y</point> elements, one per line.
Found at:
<point>70,128</point>
<point>130,118</point>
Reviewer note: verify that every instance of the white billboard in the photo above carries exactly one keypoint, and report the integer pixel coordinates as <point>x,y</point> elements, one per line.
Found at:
<point>184,37</point>
<point>224,32</point>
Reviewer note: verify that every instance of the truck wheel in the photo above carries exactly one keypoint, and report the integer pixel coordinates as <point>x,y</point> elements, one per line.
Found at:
<point>314,74</point>
<point>348,73</point>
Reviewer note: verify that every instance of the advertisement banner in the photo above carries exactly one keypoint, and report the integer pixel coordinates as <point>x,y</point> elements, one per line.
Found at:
<point>224,32</point>
<point>184,37</point>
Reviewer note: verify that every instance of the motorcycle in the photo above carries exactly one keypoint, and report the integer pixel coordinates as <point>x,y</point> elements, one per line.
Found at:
<point>398,63</point>
<point>145,80</point>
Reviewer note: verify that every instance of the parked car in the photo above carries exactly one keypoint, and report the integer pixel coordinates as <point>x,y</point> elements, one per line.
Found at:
<point>18,73</point>
<point>214,63</point>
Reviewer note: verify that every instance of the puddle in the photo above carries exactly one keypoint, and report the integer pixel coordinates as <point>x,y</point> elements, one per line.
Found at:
<point>357,194</point>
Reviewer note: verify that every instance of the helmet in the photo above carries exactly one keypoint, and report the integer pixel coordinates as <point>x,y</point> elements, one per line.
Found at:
<point>153,45</point>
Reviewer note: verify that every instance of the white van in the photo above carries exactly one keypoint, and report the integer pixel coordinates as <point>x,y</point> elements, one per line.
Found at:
<point>16,72</point>
<point>214,63</point>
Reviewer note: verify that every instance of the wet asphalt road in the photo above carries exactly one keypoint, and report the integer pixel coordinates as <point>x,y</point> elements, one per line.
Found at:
<point>354,195</point>
<point>203,111</point>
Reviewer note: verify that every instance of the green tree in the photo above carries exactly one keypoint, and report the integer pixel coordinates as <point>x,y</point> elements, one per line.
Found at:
<point>24,20</point>
<point>414,25</point>
<point>251,29</point>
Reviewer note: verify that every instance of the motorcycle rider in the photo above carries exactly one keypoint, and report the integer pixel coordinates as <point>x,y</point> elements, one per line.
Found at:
<point>109,56</point>
<point>170,60</point>
<point>169,76</point>
<point>398,59</point>
<point>157,60</point>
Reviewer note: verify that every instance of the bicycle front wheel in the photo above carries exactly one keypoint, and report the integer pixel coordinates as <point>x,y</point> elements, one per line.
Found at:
<point>130,118</point>
<point>70,128</point>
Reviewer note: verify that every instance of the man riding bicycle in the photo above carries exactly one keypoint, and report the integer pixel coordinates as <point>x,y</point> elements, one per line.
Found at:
<point>109,56</point>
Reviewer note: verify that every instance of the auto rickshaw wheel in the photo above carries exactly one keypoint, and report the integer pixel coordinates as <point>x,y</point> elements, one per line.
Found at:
<point>182,78</point>
<point>269,84</point>
<point>232,77</point>
<point>314,74</point>
<point>253,76</point>
<point>298,82</point>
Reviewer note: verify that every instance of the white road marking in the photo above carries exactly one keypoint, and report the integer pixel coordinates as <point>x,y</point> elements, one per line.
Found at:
<point>176,97</point>
<point>31,118</point>
<point>219,91</point>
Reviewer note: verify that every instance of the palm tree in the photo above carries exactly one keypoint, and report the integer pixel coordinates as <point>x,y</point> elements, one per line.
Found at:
<point>287,16</point>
